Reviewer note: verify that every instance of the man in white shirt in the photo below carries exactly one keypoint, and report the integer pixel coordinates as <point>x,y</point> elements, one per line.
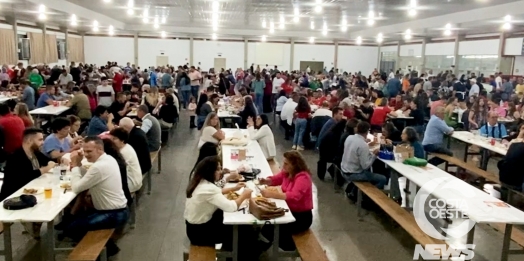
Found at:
<point>64,78</point>
<point>134,174</point>
<point>498,80</point>
<point>286,116</point>
<point>323,111</point>
<point>391,74</point>
<point>105,93</point>
<point>475,89</point>
<point>308,70</point>
<point>104,182</point>
<point>277,86</point>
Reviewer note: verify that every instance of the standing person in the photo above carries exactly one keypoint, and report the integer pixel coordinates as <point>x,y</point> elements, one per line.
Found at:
<point>23,113</point>
<point>13,128</point>
<point>104,182</point>
<point>185,87</point>
<point>277,85</point>
<point>105,93</point>
<point>258,86</point>
<point>153,78</point>
<point>118,82</point>
<point>434,136</point>
<point>223,84</point>
<point>28,95</point>
<point>150,126</point>
<point>302,114</point>
<point>249,111</point>
<point>192,115</point>
<point>167,79</point>
<point>195,77</point>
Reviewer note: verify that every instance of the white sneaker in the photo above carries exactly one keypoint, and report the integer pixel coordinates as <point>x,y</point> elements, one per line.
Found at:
<point>300,148</point>
<point>294,147</point>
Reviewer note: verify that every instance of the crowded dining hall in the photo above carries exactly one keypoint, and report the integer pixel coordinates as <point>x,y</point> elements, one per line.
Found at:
<point>269,130</point>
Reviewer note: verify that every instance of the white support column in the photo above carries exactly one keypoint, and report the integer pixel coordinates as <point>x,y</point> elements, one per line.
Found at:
<point>379,57</point>
<point>502,44</point>
<point>136,49</point>
<point>245,53</point>
<point>66,33</point>
<point>423,62</point>
<point>291,54</point>
<point>458,38</point>
<point>397,64</point>
<point>335,64</point>
<point>191,51</point>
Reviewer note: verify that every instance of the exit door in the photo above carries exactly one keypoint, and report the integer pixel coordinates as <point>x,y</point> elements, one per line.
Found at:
<point>314,66</point>
<point>162,60</point>
<point>220,63</point>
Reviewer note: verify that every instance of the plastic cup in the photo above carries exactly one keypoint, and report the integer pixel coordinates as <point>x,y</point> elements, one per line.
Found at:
<point>48,192</point>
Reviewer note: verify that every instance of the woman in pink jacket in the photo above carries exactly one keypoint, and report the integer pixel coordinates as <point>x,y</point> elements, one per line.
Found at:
<point>295,181</point>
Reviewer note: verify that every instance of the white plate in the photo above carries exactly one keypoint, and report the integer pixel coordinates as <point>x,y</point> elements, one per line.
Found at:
<point>39,191</point>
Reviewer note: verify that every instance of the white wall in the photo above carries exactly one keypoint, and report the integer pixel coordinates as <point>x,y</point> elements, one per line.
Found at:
<point>411,50</point>
<point>357,58</point>
<point>513,46</point>
<point>518,68</point>
<point>99,50</point>
<point>282,60</point>
<point>479,47</point>
<point>312,52</point>
<point>391,48</point>
<point>445,48</point>
<point>205,52</point>
<point>177,51</point>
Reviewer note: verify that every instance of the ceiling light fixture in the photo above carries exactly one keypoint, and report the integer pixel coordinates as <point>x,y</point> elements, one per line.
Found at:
<point>107,1</point>
<point>42,16</point>
<point>282,22</point>
<point>312,25</point>
<point>215,6</point>
<point>506,26</point>
<point>507,18</point>
<point>324,29</point>
<point>371,14</point>
<point>412,12</point>
<point>130,11</point>
<point>130,4</point>
<point>371,21</point>
<point>215,27</point>
<point>164,19</point>
<point>264,38</point>
<point>145,16</point>
<point>344,27</point>
<point>111,30</point>
<point>318,7</point>
<point>264,23</point>
<point>163,34</point>
<point>407,35</point>
<point>297,14</point>
<point>214,36</point>
<point>311,39</point>
<point>73,20</point>
<point>447,31</point>
<point>41,9</point>
<point>380,38</point>
<point>271,27</point>
<point>359,40</point>
<point>95,26</point>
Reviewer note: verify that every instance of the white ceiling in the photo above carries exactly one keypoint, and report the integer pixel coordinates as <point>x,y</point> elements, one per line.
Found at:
<point>243,18</point>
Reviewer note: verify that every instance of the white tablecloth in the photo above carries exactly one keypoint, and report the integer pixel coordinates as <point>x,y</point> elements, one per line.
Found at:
<point>256,159</point>
<point>478,204</point>
<point>480,141</point>
<point>50,110</point>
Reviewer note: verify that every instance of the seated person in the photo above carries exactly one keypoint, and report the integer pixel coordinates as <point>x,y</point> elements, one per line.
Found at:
<point>261,132</point>
<point>13,128</point>
<point>211,130</point>
<point>410,136</point>
<point>418,116</point>
<point>297,191</point>
<point>120,138</point>
<point>248,111</point>
<point>46,98</point>
<point>206,204</point>
<point>104,182</point>
<point>337,116</point>
<point>120,107</point>
<point>380,114</point>
<point>434,136</point>
<point>58,143</point>
<point>318,97</point>
<point>150,126</point>
<point>325,147</point>
<point>391,134</point>
<point>365,111</point>
<point>492,129</point>
<point>137,140</point>
<point>101,122</point>
<point>509,168</point>
<point>168,113</point>
<point>323,110</point>
<point>357,159</point>
<point>80,104</point>
<point>396,103</point>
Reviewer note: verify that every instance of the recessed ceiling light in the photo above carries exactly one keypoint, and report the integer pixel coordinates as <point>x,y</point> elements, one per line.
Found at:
<point>42,16</point>
<point>311,39</point>
<point>163,34</point>
<point>130,11</point>
<point>371,22</point>
<point>130,4</point>
<point>507,18</point>
<point>318,9</point>
<point>359,40</point>
<point>73,20</point>
<point>448,26</point>
<point>95,23</point>
<point>163,19</point>
<point>447,32</point>
<point>506,26</point>
<point>263,38</point>
<point>215,6</point>
<point>380,35</point>
<point>371,14</point>
<point>41,8</point>
<point>95,29</point>
<point>312,25</point>
<point>107,1</point>
<point>412,12</point>
<point>214,36</point>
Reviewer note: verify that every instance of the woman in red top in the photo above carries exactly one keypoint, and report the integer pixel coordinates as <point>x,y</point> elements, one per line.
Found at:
<point>379,115</point>
<point>22,111</point>
<point>396,102</point>
<point>91,97</point>
<point>287,86</point>
<point>295,181</point>
<point>302,114</point>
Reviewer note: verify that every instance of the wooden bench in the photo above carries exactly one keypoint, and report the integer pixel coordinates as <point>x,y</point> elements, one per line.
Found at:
<point>92,246</point>
<point>403,217</point>
<point>153,156</point>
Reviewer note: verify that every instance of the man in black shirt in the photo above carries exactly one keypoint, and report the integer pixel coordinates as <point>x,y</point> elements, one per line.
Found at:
<point>365,111</point>
<point>120,107</point>
<point>418,117</point>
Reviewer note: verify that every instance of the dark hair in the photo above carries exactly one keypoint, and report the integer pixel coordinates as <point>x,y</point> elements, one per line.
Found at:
<point>412,134</point>
<point>351,125</point>
<point>336,110</point>
<point>213,96</point>
<point>249,107</point>
<point>210,89</point>
<point>95,139</point>
<point>31,131</point>
<point>203,99</point>
<point>389,127</point>
<point>111,150</point>
<point>281,93</point>
<point>170,100</point>
<point>76,89</point>
<point>363,128</point>
<point>86,91</point>
<point>265,121</point>
<point>143,108</point>
<point>103,79</point>
<point>120,133</point>
<point>59,123</point>
<point>303,105</point>
<point>99,110</point>
<point>297,162</point>
<point>4,109</point>
<point>204,170</point>
<point>72,119</point>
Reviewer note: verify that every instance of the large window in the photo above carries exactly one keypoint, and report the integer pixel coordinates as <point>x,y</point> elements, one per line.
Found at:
<point>61,46</point>
<point>439,63</point>
<point>479,64</point>
<point>410,63</point>
<point>24,52</point>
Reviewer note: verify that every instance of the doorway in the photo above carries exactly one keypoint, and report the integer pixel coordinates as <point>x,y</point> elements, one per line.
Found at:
<point>220,63</point>
<point>162,60</point>
<point>314,66</point>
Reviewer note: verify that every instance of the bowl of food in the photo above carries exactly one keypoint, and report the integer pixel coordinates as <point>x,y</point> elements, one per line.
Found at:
<point>32,191</point>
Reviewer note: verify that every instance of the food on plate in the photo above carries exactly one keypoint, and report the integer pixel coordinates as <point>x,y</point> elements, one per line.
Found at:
<point>30,191</point>
<point>240,179</point>
<point>272,188</point>
<point>65,186</point>
<point>232,195</point>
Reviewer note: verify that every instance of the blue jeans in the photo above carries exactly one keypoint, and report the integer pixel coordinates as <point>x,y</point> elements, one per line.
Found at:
<point>300,129</point>
<point>100,219</point>
<point>200,121</point>
<point>194,91</point>
<point>259,102</point>
<point>376,179</point>
<point>186,95</point>
<point>437,148</point>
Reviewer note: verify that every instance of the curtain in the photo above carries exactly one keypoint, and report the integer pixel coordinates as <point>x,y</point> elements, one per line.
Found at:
<point>75,50</point>
<point>36,43</point>
<point>52,49</point>
<point>8,53</point>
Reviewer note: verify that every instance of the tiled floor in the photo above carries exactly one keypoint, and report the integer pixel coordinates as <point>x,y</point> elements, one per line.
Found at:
<point>160,230</point>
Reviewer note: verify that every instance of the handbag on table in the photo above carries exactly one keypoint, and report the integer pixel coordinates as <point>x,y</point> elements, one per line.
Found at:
<point>263,209</point>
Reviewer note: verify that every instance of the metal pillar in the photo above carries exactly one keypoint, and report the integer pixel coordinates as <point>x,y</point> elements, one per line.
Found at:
<point>191,51</point>
<point>136,49</point>
<point>423,55</point>
<point>291,54</point>
<point>245,53</point>
<point>335,63</point>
